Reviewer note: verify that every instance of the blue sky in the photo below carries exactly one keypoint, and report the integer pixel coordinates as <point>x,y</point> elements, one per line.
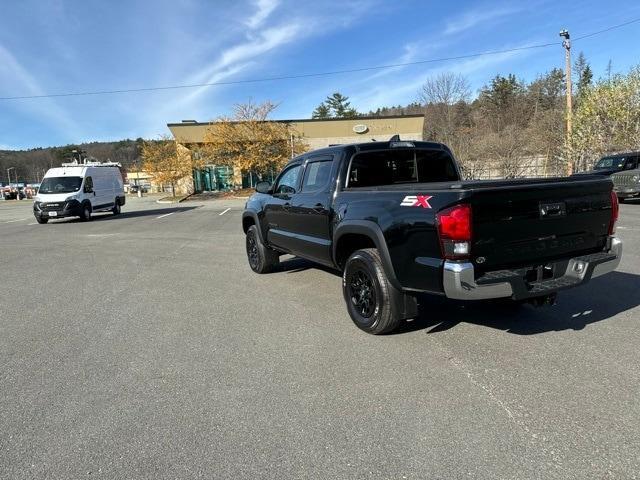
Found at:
<point>59,46</point>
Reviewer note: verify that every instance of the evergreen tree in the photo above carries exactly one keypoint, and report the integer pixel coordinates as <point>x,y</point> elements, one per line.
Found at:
<point>321,111</point>
<point>584,75</point>
<point>335,106</point>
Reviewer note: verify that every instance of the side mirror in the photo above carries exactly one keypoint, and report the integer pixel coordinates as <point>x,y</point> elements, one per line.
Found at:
<point>263,187</point>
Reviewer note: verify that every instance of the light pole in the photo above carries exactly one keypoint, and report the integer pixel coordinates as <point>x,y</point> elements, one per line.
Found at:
<point>566,43</point>
<point>9,177</point>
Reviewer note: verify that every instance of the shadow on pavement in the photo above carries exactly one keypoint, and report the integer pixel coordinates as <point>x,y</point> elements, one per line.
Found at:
<point>101,216</point>
<point>594,302</point>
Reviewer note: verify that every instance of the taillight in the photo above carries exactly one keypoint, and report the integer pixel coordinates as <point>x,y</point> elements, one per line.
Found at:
<point>454,230</point>
<point>615,210</point>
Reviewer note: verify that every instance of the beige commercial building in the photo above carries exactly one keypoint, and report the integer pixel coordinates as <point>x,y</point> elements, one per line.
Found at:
<point>316,133</point>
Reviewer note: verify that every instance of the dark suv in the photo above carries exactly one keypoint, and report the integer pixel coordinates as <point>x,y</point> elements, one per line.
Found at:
<point>616,163</point>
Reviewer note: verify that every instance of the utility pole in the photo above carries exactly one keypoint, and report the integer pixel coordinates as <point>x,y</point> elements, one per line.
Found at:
<point>566,43</point>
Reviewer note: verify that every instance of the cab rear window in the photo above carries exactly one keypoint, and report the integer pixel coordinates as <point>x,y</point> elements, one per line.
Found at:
<point>391,167</point>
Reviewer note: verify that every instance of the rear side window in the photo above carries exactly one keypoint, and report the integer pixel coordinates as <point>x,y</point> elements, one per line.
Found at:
<point>316,176</point>
<point>88,185</point>
<point>390,167</point>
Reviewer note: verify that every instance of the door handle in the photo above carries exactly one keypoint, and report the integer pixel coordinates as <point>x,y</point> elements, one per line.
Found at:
<point>318,207</point>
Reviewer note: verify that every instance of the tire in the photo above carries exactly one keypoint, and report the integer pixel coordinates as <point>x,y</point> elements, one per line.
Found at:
<point>621,200</point>
<point>116,208</point>
<point>368,293</point>
<point>42,220</point>
<point>261,258</point>
<point>85,216</point>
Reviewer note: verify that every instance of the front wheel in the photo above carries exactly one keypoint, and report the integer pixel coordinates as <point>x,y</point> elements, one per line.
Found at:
<point>85,216</point>
<point>261,258</point>
<point>42,220</point>
<point>368,293</point>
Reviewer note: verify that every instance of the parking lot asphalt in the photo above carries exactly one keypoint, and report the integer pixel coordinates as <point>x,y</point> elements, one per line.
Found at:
<point>142,346</point>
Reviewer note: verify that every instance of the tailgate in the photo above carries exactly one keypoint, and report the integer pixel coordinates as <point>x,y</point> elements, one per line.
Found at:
<point>527,224</point>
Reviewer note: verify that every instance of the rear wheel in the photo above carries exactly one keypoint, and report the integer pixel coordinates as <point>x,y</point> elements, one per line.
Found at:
<point>621,200</point>
<point>42,220</point>
<point>116,208</point>
<point>368,293</point>
<point>261,258</point>
<point>85,216</point>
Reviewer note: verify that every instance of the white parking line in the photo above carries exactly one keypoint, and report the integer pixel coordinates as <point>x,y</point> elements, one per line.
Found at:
<point>18,220</point>
<point>34,223</point>
<point>222,213</point>
<point>165,215</point>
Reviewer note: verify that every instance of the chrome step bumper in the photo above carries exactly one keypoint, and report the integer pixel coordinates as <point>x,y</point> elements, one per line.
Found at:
<point>459,280</point>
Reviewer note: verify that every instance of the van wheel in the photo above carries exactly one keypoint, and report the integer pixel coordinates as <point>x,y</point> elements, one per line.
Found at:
<point>116,208</point>
<point>86,213</point>
<point>42,220</point>
<point>368,293</point>
<point>261,258</point>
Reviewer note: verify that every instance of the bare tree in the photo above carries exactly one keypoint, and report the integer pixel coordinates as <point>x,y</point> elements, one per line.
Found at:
<point>442,95</point>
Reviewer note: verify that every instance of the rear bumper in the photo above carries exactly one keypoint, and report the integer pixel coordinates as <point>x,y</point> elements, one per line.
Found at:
<point>460,283</point>
<point>627,192</point>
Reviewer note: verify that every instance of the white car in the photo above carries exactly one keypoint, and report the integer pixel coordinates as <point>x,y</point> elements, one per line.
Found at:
<point>79,190</point>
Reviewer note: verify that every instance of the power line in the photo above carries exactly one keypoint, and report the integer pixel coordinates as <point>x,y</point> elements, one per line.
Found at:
<point>315,74</point>
<point>608,29</point>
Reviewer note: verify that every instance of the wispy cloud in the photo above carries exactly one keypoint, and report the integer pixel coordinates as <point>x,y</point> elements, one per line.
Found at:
<point>389,93</point>
<point>239,57</point>
<point>477,16</point>
<point>267,35</point>
<point>14,73</point>
<point>265,7</point>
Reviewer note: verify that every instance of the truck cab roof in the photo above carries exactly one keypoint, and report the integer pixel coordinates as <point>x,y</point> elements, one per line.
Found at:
<point>375,145</point>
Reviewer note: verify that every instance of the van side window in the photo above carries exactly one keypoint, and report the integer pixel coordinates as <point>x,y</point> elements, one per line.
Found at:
<point>88,185</point>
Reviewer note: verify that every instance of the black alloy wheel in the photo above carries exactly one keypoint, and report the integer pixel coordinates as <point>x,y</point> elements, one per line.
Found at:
<point>252,252</point>
<point>362,293</point>
<point>369,295</point>
<point>262,259</point>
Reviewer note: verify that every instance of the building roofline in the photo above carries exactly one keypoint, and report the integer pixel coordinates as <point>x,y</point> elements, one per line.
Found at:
<point>306,120</point>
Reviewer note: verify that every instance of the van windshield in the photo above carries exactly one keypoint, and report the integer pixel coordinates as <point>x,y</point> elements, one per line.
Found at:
<point>60,185</point>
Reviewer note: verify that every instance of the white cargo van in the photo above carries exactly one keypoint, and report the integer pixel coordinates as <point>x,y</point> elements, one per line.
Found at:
<point>78,190</point>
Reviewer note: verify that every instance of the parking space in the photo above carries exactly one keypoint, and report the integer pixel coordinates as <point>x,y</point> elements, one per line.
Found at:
<point>142,346</point>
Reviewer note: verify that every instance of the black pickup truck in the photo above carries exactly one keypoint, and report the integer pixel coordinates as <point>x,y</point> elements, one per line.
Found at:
<point>397,221</point>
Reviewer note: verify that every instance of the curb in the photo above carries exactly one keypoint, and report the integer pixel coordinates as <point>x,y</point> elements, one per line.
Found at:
<point>172,201</point>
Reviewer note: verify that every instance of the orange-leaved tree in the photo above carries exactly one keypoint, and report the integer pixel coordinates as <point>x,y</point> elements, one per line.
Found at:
<point>168,162</point>
<point>250,141</point>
